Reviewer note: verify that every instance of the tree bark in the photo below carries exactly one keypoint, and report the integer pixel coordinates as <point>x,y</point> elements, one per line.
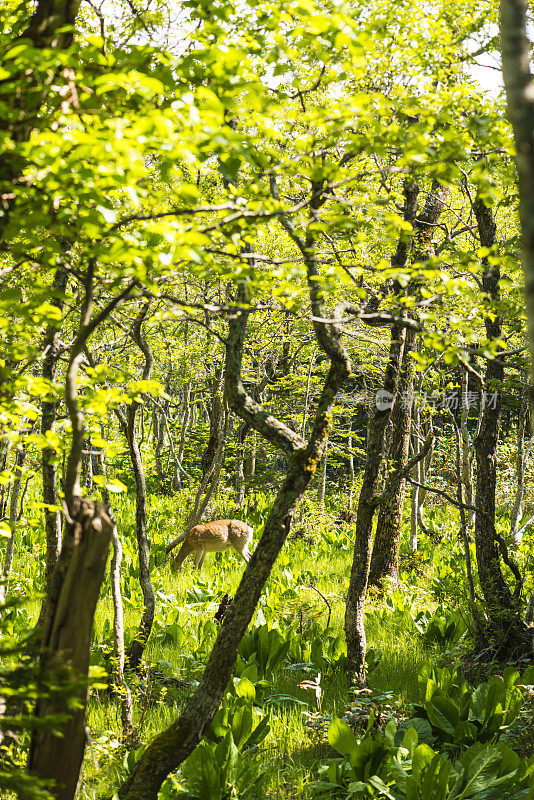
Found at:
<point>119,679</point>
<point>352,472</point>
<point>425,464</point>
<point>159,441</point>
<point>523,451</point>
<point>467,454</point>
<point>20,457</point>
<point>75,585</point>
<point>216,423</point>
<point>502,607</point>
<point>171,747</point>
<point>385,557</point>
<point>66,646</point>
<point>354,610</point>
<point>414,507</point>
<point>50,26</point>
<point>367,504</point>
<point>185,421</point>
<point>321,488</point>
<point>519,85</point>
<point>137,646</point>
<point>239,462</point>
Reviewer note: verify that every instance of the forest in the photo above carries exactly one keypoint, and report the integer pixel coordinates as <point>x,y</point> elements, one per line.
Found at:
<point>266,400</point>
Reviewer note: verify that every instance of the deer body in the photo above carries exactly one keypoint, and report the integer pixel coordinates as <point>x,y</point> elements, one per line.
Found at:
<point>213,537</point>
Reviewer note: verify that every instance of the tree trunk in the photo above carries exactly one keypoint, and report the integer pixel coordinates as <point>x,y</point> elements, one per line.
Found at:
<point>425,465</point>
<point>518,78</point>
<point>352,473</point>
<point>239,474</point>
<point>502,608</point>
<point>125,695</point>
<point>53,522</point>
<point>185,421</point>
<point>20,457</point>
<point>250,458</point>
<point>137,646</point>
<point>414,507</point>
<point>321,488</point>
<point>467,454</point>
<point>87,467</point>
<point>159,442</point>
<point>523,452</point>
<point>171,747</point>
<point>119,680</point>
<point>66,644</point>
<point>75,585</point>
<point>367,503</point>
<point>354,610</point>
<point>216,424</point>
<point>385,557</point>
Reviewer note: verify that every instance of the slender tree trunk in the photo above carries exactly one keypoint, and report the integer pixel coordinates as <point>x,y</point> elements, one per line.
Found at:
<point>119,679</point>
<point>250,459</point>
<point>210,498</point>
<point>87,466</point>
<point>501,606</point>
<point>242,433</point>
<point>414,507</point>
<point>307,393</point>
<point>352,474</point>
<point>425,466</point>
<point>467,454</point>
<point>367,502</point>
<point>4,489</point>
<point>216,413</point>
<point>137,646</point>
<point>125,694</point>
<point>159,442</point>
<point>385,557</point>
<point>20,457</point>
<point>185,421</point>
<point>321,488</point>
<point>523,451</point>
<point>517,74</point>
<point>170,748</point>
<point>53,521</point>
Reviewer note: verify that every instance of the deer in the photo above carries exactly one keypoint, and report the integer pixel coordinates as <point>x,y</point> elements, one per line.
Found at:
<point>213,537</point>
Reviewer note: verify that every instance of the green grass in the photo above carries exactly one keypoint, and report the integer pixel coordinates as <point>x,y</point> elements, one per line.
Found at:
<point>317,558</point>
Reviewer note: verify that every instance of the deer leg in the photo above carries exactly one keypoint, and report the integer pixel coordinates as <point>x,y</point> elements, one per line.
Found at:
<point>245,554</point>
<point>199,558</point>
<point>182,554</point>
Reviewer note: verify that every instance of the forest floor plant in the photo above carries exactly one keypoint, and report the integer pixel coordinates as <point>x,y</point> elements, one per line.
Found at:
<point>289,682</point>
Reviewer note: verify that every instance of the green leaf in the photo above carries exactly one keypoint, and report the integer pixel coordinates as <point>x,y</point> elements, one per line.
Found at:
<point>341,737</point>
<point>242,724</point>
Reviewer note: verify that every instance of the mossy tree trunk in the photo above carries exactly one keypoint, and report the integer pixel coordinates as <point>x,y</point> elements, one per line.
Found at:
<point>385,557</point>
<point>506,627</point>
<point>128,420</point>
<point>171,747</point>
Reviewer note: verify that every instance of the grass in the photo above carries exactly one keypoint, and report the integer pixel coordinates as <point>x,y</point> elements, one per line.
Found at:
<point>293,748</point>
<point>316,560</point>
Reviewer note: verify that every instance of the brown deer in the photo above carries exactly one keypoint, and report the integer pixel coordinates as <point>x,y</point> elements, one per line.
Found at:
<point>213,537</point>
